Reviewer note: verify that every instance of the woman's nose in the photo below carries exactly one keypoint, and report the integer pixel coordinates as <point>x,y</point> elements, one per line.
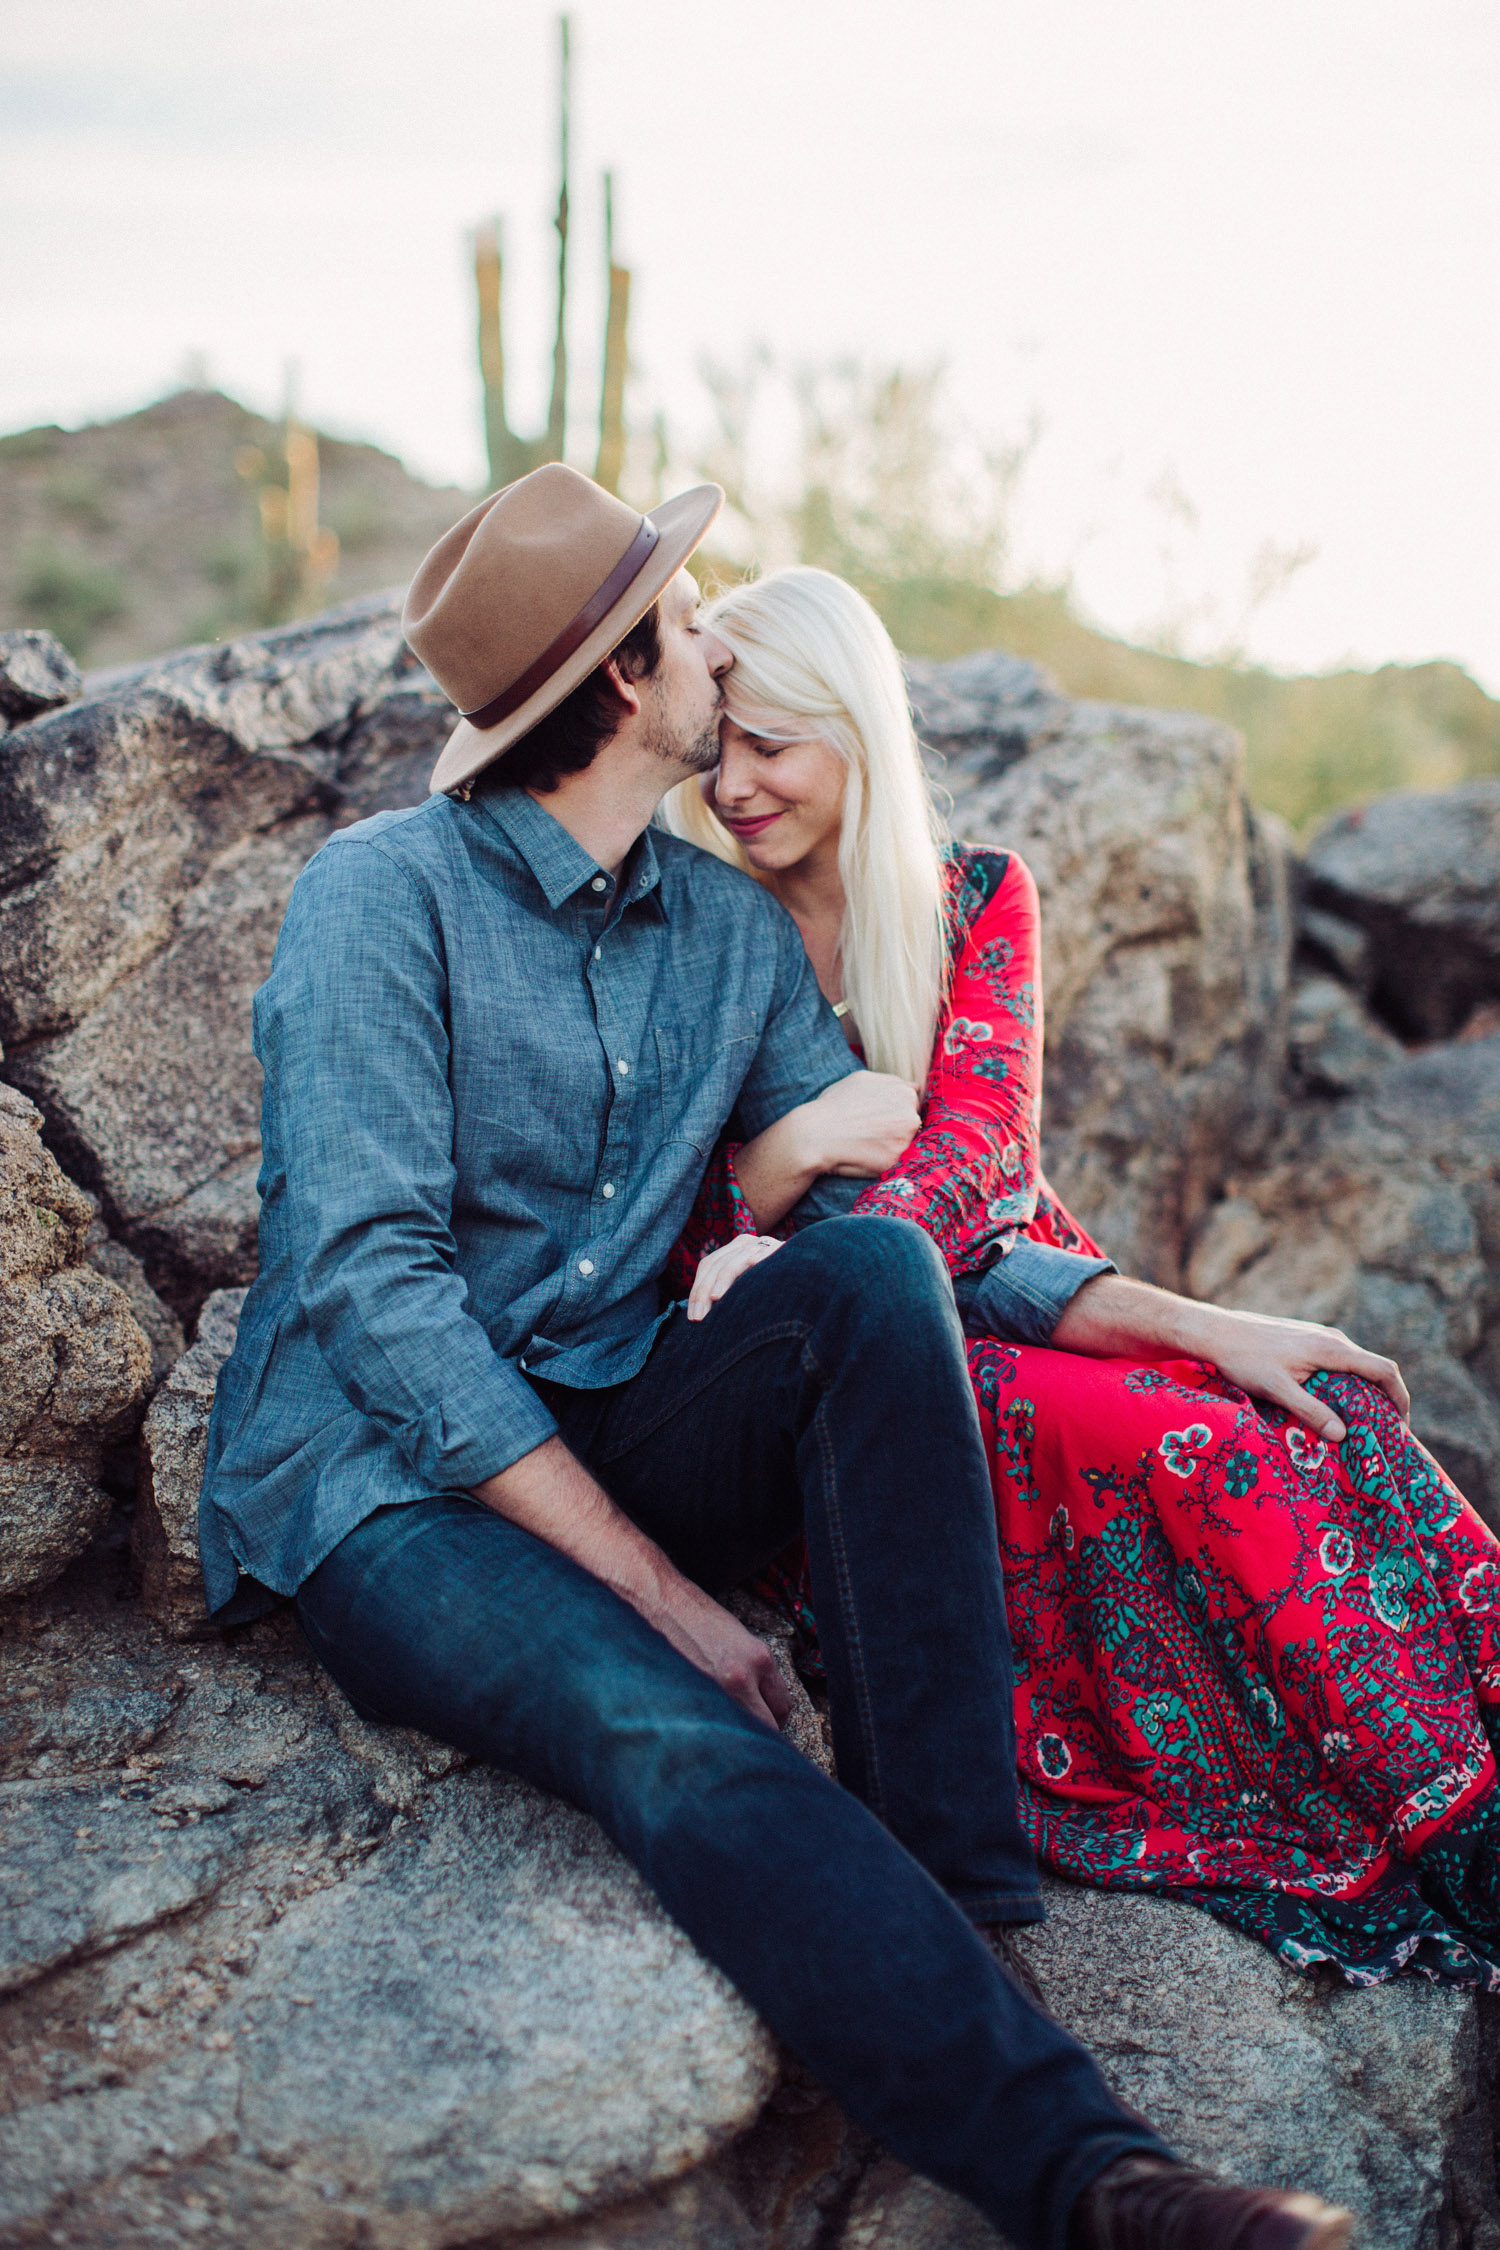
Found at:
<point>733,782</point>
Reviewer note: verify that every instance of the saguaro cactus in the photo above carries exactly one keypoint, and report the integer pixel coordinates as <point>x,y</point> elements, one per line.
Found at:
<point>611,459</point>
<point>301,554</point>
<point>509,454</point>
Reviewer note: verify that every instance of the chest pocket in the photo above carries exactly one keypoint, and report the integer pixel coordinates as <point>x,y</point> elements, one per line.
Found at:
<point>701,1068</point>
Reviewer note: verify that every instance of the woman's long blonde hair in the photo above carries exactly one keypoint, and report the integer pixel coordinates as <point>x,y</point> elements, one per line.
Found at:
<point>811,657</point>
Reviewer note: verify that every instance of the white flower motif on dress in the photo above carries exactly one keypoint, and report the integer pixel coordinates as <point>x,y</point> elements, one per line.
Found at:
<point>1306,1450</point>
<point>1336,1552</point>
<point>1181,1450</point>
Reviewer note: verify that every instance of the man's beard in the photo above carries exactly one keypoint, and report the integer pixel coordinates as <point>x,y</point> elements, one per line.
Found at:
<point>699,753</point>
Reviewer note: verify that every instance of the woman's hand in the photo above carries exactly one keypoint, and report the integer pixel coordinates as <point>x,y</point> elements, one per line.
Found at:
<point>1273,1358</point>
<point>719,1270</point>
<point>1112,1317</point>
<point>861,1125</point>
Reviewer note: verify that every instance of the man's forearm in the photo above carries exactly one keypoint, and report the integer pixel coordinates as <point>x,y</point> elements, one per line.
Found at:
<point>549,1493</point>
<point>1111,1316</point>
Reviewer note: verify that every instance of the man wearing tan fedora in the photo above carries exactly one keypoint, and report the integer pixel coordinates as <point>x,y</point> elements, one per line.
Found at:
<point>505,1486</point>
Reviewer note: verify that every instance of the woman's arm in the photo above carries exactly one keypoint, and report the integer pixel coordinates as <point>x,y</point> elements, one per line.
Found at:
<point>857,1127</point>
<point>970,1176</point>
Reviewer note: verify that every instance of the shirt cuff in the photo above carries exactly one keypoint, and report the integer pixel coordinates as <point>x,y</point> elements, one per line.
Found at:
<point>1023,1296</point>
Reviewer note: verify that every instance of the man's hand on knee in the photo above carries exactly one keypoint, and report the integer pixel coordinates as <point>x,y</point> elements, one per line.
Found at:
<point>550,1493</point>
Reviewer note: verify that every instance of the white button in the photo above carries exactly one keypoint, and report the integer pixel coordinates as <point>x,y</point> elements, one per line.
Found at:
<point>585,1265</point>
<point>607,1190</point>
<point>623,1067</point>
<point>598,953</point>
<point>598,884</point>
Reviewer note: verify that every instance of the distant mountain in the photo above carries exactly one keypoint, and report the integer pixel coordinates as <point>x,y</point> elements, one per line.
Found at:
<point>142,534</point>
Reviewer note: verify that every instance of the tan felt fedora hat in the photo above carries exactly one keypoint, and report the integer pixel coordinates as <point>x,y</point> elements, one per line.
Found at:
<point>522,599</point>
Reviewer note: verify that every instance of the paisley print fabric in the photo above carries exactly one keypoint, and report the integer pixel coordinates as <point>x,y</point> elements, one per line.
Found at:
<point>1255,1672</point>
<point>1252,1670</point>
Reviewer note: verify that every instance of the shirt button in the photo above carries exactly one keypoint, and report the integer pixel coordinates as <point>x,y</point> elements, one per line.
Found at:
<point>598,953</point>
<point>623,1067</point>
<point>607,1190</point>
<point>585,1265</point>
<point>598,884</point>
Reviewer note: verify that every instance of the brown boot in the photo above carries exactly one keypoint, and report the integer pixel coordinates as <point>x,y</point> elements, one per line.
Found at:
<point>1150,2203</point>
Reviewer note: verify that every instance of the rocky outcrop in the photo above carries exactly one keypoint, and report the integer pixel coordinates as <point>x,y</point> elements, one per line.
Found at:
<point>75,1367</point>
<point>174,1450</point>
<point>1167,935</point>
<point>1407,892</point>
<point>149,839</point>
<point>271,1976</point>
<point>36,674</point>
<point>1379,1211</point>
<point>274,1976</point>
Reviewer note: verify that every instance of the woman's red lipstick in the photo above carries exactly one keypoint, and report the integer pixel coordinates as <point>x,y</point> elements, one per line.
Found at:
<point>749,827</point>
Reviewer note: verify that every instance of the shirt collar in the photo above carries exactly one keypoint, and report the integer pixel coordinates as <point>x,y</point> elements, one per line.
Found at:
<point>558,861</point>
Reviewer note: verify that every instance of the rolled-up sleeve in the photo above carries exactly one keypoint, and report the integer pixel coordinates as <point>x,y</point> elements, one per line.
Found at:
<point>1022,1297</point>
<point>351,1028</point>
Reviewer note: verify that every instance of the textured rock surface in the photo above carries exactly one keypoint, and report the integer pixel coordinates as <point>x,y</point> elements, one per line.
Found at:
<point>275,1977</point>
<point>36,674</point>
<point>1166,940</point>
<point>1380,1212</point>
<point>149,838</point>
<point>983,711</point>
<point>159,1324</point>
<point>75,1367</point>
<point>1418,876</point>
<point>174,1447</point>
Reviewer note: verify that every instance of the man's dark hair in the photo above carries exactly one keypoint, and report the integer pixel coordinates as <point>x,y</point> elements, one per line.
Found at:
<point>570,738</point>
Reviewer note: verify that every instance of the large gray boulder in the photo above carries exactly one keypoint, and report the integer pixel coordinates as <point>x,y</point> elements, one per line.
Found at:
<point>1416,876</point>
<point>149,839</point>
<point>272,1976</point>
<point>1167,935</point>
<point>75,1367</point>
<point>1379,1211</point>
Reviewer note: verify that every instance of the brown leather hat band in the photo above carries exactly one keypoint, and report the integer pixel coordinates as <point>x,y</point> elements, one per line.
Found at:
<point>572,637</point>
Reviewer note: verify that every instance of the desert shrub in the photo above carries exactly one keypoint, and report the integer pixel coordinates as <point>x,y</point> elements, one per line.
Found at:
<point>70,598</point>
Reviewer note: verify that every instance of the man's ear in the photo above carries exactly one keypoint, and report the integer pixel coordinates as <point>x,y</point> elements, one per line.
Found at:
<point>625,688</point>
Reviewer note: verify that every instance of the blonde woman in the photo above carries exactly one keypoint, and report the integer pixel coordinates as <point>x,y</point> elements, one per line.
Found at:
<point>1257,1629</point>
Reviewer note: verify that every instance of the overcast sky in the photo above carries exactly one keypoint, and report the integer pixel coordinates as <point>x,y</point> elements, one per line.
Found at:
<point>1249,255</point>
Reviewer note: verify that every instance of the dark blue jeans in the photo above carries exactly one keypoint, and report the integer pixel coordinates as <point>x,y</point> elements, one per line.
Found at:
<point>827,1390</point>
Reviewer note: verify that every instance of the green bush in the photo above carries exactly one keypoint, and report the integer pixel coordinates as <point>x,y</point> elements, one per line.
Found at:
<point>69,598</point>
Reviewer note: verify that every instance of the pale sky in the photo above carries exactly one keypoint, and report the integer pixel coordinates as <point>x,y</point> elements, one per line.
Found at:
<point>1249,254</point>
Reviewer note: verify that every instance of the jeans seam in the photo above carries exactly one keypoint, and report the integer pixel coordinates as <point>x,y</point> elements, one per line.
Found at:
<point>854,1646</point>
<point>639,1432</point>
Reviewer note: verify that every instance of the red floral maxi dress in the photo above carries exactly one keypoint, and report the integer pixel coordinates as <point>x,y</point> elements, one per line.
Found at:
<point>1253,1671</point>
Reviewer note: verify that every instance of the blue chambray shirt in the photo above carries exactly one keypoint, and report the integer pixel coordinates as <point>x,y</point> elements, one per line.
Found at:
<point>493,1079</point>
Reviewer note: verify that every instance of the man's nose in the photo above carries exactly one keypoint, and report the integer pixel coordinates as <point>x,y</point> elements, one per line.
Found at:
<point>719,655</point>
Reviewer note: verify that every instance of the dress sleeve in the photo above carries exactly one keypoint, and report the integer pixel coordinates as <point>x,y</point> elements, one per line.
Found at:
<point>718,1215</point>
<point>970,1178</point>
